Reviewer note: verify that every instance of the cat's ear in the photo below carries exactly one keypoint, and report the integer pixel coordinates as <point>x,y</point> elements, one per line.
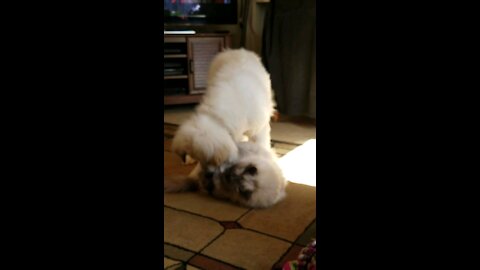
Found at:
<point>251,169</point>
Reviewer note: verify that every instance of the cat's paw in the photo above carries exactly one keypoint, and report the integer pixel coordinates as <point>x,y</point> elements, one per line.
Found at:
<point>178,184</point>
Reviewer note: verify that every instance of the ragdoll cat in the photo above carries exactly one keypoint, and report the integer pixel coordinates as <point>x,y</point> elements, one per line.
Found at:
<point>253,180</point>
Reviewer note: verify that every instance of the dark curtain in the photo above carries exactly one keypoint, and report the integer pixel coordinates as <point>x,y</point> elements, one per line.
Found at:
<point>243,20</point>
<point>289,44</point>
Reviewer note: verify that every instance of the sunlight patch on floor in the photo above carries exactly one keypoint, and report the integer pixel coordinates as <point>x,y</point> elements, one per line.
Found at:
<point>299,165</point>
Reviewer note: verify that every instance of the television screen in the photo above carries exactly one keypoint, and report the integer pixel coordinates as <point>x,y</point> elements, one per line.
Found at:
<point>200,12</point>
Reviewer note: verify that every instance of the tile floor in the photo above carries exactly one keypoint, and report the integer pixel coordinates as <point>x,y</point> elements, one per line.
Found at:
<point>201,232</point>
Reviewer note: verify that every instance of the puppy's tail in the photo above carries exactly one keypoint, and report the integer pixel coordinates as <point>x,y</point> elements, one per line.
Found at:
<point>179,183</point>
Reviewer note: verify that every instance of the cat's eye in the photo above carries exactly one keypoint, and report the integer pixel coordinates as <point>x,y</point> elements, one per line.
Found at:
<point>252,170</point>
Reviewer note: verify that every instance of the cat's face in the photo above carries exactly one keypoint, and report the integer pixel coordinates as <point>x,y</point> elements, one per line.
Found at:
<point>234,183</point>
<point>252,182</point>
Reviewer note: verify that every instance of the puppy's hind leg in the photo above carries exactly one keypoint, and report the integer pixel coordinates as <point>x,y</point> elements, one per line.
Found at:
<point>262,137</point>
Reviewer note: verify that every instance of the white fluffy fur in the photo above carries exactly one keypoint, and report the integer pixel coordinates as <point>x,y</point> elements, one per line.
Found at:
<point>238,102</point>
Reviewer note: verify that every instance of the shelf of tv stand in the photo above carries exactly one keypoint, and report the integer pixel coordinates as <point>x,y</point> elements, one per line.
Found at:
<point>171,77</point>
<point>174,56</point>
<point>181,99</point>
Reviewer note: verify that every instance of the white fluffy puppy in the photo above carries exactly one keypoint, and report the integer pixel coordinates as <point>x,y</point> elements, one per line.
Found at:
<point>238,102</point>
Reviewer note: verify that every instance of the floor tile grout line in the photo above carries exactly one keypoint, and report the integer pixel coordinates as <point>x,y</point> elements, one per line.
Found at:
<point>180,262</point>
<point>223,232</point>
<point>179,247</point>
<point>171,258</point>
<point>198,253</point>
<point>229,264</point>
<point>201,268</point>
<point>295,243</point>
<point>306,229</point>
<point>285,254</point>
<point>196,214</point>
<point>237,220</point>
<point>210,242</point>
<point>213,240</point>
<point>266,234</point>
<point>210,218</point>
<point>173,265</point>
<point>212,258</point>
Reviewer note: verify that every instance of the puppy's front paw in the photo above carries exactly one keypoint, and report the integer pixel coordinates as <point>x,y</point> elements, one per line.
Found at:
<point>189,160</point>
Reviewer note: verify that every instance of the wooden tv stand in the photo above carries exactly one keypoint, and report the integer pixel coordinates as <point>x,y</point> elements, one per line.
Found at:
<point>186,59</point>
